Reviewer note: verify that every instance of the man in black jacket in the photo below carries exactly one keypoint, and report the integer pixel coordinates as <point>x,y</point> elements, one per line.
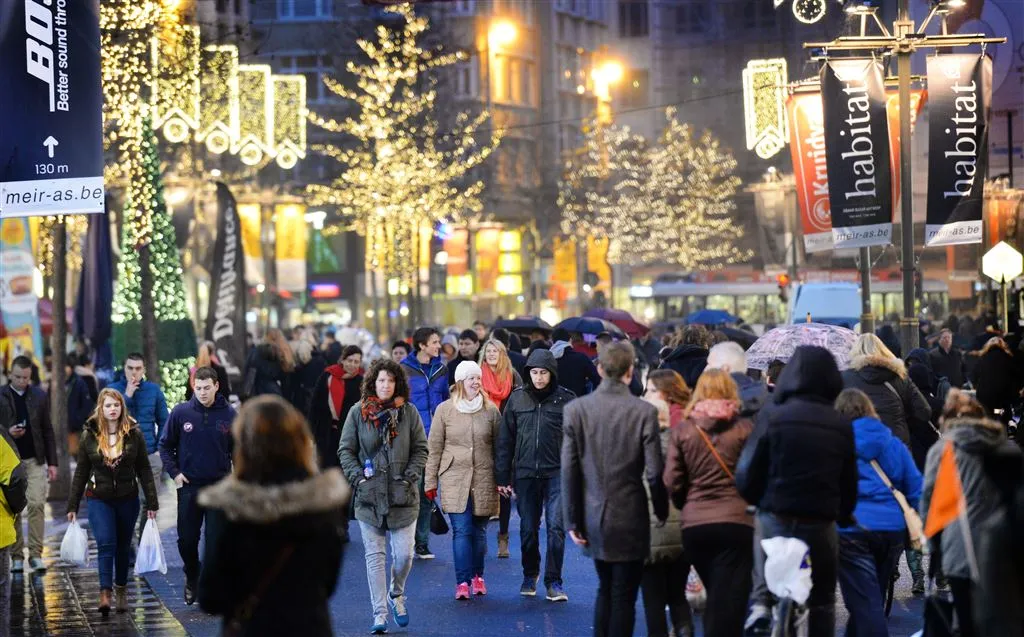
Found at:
<point>576,372</point>
<point>947,360</point>
<point>531,438</point>
<point>799,468</point>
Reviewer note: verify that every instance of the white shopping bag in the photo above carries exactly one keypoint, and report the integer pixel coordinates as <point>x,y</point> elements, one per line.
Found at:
<point>150,556</point>
<point>696,595</point>
<point>74,548</point>
<point>787,569</point>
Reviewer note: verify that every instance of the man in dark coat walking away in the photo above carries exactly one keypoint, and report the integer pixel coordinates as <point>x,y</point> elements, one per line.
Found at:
<point>947,360</point>
<point>611,440</point>
<point>690,356</point>
<point>575,370</point>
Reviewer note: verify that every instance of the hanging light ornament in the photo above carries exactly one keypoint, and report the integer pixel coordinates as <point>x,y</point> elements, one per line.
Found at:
<point>808,11</point>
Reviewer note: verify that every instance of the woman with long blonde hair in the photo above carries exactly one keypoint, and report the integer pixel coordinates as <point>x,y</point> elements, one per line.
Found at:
<point>207,357</point>
<point>499,379</point>
<point>111,459</point>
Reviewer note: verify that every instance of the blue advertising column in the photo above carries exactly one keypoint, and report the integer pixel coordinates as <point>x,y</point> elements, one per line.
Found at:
<point>51,100</point>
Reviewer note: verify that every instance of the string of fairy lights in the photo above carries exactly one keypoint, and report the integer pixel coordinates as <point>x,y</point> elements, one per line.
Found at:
<point>667,202</point>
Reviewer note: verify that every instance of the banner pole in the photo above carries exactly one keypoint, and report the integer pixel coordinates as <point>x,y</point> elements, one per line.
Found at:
<point>909,332</point>
<point>867,319</point>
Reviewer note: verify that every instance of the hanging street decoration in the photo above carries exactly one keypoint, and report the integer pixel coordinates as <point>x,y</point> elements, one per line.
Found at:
<point>807,11</point>
<point>764,108</point>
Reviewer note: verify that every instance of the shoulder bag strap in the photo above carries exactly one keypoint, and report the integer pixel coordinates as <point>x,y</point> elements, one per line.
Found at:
<point>245,610</point>
<point>714,452</point>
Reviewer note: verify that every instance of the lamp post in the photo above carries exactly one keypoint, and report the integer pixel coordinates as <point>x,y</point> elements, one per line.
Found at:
<point>903,41</point>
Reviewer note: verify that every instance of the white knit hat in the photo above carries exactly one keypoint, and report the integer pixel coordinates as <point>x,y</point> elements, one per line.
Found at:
<point>467,369</point>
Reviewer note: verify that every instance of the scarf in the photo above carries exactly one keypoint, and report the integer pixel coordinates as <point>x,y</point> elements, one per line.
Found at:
<point>470,406</point>
<point>374,411</point>
<point>496,388</point>
<point>336,378</point>
<point>715,409</point>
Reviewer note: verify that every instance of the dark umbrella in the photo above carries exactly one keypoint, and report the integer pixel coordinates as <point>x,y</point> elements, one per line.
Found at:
<point>736,335</point>
<point>524,325</point>
<point>96,291</point>
<point>590,325</point>
<point>621,318</point>
<point>710,317</point>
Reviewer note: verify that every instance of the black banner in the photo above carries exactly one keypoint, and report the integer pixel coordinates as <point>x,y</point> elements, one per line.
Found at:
<point>857,152</point>
<point>225,320</point>
<point>51,143</point>
<point>960,93</point>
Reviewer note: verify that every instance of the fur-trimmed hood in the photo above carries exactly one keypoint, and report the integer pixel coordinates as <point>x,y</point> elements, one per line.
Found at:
<point>894,365</point>
<point>269,503</point>
<point>973,434</point>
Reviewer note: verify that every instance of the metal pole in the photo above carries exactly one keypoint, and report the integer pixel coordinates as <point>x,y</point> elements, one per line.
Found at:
<point>58,379</point>
<point>908,323</point>
<point>1006,309</point>
<point>867,319</point>
<point>1009,143</point>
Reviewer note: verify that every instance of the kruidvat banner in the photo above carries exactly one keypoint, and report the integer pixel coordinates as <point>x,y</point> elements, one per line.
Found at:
<point>857,152</point>
<point>807,145</point>
<point>225,319</point>
<point>19,306</point>
<point>51,100</point>
<point>961,98</point>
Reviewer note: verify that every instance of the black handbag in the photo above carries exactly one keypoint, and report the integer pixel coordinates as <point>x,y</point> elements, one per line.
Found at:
<point>938,604</point>
<point>438,525</point>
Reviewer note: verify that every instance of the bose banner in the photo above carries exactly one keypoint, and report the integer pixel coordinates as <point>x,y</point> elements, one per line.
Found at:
<point>857,152</point>
<point>225,319</point>
<point>51,100</point>
<point>960,87</point>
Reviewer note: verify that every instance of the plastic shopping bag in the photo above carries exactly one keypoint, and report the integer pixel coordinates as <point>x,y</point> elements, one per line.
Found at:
<point>74,548</point>
<point>150,556</point>
<point>696,595</point>
<point>787,569</point>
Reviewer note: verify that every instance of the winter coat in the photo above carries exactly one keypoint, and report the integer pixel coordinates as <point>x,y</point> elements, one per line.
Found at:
<point>612,443</point>
<point>304,384</point>
<point>980,446</point>
<point>997,380</point>
<point>900,405</point>
<point>576,372</point>
<point>148,407</point>
<point>667,537</point>
<point>877,509</point>
<point>461,458</point>
<point>39,428</point>
<point>696,482</point>
<point>689,361</point>
<point>270,377</point>
<point>80,407</point>
<point>326,430</point>
<point>753,394</point>
<point>391,497</point>
<point>530,439</point>
<point>248,527</point>
<point>801,460</point>
<point>518,362</point>
<point>223,383</point>
<point>13,487</point>
<point>197,441</point>
<point>949,364</point>
<point>920,372</point>
<point>98,479</point>
<point>428,387</point>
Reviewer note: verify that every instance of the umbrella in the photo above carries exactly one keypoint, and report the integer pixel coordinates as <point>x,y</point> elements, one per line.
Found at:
<point>736,335</point>
<point>523,325</point>
<point>710,317</point>
<point>623,319</point>
<point>590,325</point>
<point>781,342</point>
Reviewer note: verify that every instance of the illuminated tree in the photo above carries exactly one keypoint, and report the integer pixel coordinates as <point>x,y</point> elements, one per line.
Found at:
<point>401,171</point>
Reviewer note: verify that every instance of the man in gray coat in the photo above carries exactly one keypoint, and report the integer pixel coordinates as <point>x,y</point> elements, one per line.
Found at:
<point>611,440</point>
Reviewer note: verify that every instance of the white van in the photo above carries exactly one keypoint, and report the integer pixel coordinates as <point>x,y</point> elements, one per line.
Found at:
<point>832,303</point>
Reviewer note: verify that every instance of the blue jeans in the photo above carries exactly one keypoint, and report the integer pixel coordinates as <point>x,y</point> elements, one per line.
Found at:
<point>469,543</point>
<point>112,522</point>
<point>867,560</point>
<point>536,496</point>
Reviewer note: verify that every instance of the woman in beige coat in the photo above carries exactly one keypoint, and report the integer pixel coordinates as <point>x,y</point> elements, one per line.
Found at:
<point>461,463</point>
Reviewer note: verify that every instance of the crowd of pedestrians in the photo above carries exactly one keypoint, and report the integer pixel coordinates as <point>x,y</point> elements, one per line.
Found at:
<point>680,484</point>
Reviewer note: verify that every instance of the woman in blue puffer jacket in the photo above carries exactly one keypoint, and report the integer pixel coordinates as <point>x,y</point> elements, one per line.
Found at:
<point>869,551</point>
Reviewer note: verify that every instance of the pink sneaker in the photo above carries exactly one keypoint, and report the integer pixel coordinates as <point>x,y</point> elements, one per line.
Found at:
<point>462,591</point>
<point>479,588</point>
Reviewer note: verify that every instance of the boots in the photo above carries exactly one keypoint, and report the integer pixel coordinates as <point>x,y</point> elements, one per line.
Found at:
<point>121,598</point>
<point>916,571</point>
<point>104,606</point>
<point>503,545</point>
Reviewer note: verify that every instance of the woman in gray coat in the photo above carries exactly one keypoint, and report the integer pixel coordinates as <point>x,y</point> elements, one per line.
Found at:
<point>383,452</point>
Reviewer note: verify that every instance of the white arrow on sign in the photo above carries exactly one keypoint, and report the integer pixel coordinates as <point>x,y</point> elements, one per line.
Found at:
<point>50,142</point>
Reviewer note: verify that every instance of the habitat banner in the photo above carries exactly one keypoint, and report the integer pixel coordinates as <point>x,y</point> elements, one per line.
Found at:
<point>961,95</point>
<point>51,148</point>
<point>857,152</point>
<point>225,320</point>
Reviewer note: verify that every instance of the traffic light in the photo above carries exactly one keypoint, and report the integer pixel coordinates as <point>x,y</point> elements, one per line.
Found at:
<point>783,281</point>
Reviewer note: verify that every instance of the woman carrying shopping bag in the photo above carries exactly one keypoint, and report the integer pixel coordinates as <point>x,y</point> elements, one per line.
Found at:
<point>112,459</point>
<point>383,452</point>
<point>499,378</point>
<point>461,461</point>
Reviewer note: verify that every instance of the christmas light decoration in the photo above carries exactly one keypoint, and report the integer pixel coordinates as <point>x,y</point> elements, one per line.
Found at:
<point>401,172</point>
<point>809,11</point>
<point>764,106</point>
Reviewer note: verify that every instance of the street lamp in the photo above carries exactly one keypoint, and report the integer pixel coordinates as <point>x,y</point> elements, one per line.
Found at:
<point>1001,264</point>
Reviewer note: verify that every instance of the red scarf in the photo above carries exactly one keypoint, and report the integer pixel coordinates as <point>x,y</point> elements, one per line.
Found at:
<point>336,378</point>
<point>374,410</point>
<point>497,389</point>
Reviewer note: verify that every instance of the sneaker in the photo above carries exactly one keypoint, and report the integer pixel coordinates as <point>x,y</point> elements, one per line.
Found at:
<point>37,565</point>
<point>380,625</point>
<point>462,591</point>
<point>423,553</point>
<point>398,609</point>
<point>18,566</point>
<point>478,587</point>
<point>190,593</point>
<point>529,587</point>
<point>556,594</point>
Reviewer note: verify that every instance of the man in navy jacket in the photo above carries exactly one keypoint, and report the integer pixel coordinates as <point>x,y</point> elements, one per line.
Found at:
<point>196,447</point>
